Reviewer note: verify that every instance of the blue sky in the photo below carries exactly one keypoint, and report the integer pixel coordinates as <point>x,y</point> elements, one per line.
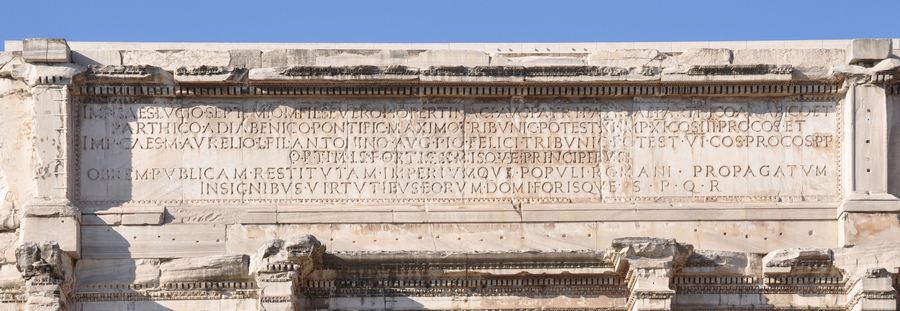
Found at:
<point>448,21</point>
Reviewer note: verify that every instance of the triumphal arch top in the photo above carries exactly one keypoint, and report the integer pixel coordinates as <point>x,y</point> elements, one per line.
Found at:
<point>586,176</point>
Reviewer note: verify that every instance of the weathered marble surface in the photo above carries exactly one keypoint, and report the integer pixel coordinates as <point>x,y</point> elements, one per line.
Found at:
<point>457,151</point>
<point>633,176</point>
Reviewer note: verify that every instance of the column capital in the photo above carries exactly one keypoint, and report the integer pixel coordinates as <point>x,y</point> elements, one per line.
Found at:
<point>649,265</point>
<point>47,271</point>
<point>280,265</point>
<point>873,290</point>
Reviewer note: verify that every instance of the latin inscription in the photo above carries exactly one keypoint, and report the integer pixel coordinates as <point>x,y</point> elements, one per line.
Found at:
<point>457,151</point>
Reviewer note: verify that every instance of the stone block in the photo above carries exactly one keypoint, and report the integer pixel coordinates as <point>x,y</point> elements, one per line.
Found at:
<point>868,228</point>
<point>142,219</point>
<point>97,57</point>
<point>112,274</point>
<point>256,216</point>
<point>245,58</point>
<point>808,260</point>
<point>795,57</point>
<point>538,60</point>
<point>652,248</point>
<point>10,277</point>
<point>41,50</point>
<point>94,219</point>
<point>286,58</point>
<point>714,262</point>
<point>626,58</point>
<point>165,241</point>
<point>704,57</point>
<point>355,57</point>
<point>430,58</point>
<point>246,239</point>
<point>868,50</point>
<point>172,60</point>
<point>205,269</point>
<point>63,230</point>
<point>206,215</point>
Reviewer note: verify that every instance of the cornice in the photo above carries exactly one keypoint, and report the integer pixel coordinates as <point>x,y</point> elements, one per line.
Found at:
<point>579,90</point>
<point>474,81</point>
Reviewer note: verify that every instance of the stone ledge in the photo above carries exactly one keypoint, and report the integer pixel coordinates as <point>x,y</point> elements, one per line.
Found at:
<point>488,47</point>
<point>474,213</point>
<point>870,206</point>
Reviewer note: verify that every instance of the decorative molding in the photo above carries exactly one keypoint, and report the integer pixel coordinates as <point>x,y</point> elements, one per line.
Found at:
<point>12,295</point>
<point>204,71</point>
<point>320,71</point>
<point>873,295</point>
<point>412,266</point>
<point>119,70</point>
<point>122,74</point>
<point>220,285</point>
<point>568,71</point>
<point>276,299</point>
<point>362,290</point>
<point>445,90</point>
<point>722,70</point>
<point>52,80</point>
<point>522,71</point>
<point>887,77</point>
<point>165,295</point>
<point>478,71</point>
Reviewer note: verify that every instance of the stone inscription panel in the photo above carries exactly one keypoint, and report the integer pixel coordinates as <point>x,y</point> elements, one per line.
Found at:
<point>457,151</point>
